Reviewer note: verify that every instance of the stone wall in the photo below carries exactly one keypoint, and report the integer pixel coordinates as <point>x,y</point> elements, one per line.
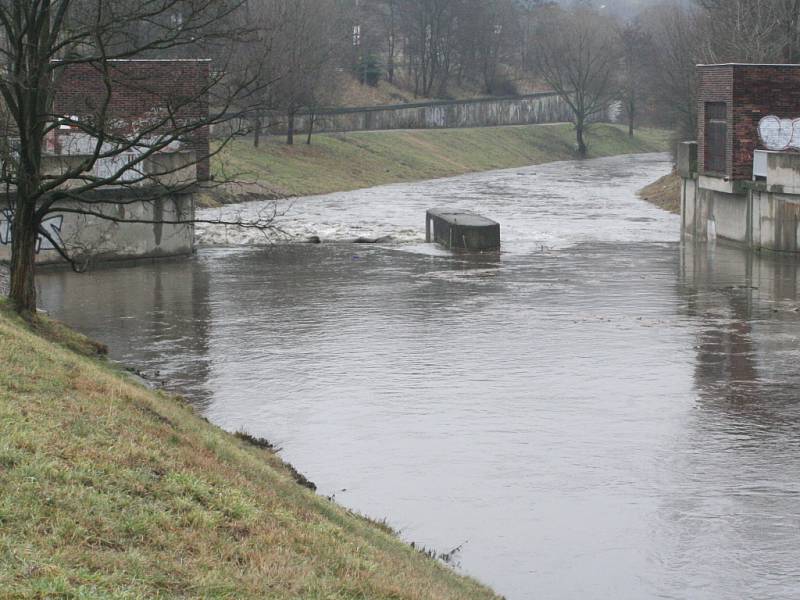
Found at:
<point>484,112</point>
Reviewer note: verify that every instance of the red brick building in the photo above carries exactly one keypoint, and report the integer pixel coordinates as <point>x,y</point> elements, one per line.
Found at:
<point>732,99</point>
<point>142,91</point>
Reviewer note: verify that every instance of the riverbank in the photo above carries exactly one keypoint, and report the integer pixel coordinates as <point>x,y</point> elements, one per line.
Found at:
<point>343,162</point>
<point>113,490</point>
<point>665,193</point>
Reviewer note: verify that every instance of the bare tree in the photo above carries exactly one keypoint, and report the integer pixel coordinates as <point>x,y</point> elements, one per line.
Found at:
<point>677,34</point>
<point>789,21</point>
<point>304,50</point>
<point>747,30</point>
<point>577,56</point>
<point>44,42</point>
<point>428,27</point>
<point>710,31</point>
<point>636,51</point>
<point>484,41</point>
<point>390,22</point>
<point>429,44</point>
<point>251,61</point>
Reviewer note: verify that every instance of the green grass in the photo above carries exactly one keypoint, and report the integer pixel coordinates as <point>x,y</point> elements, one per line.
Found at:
<point>340,162</point>
<point>110,490</point>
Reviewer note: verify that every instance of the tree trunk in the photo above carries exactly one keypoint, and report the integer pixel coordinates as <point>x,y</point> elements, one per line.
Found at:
<point>257,132</point>
<point>311,120</point>
<point>392,38</point>
<point>390,63</point>
<point>23,254</point>
<point>631,118</point>
<point>290,129</point>
<point>579,131</point>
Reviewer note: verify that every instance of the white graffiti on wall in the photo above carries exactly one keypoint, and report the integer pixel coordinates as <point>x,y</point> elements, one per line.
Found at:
<point>779,134</point>
<point>120,161</point>
<point>52,227</point>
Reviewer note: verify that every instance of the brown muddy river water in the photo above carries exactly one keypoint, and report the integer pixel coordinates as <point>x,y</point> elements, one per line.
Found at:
<point>596,412</point>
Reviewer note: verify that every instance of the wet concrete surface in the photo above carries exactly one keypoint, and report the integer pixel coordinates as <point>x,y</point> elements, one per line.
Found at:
<point>597,411</point>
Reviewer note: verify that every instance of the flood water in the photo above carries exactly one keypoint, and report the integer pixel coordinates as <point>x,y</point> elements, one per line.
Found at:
<point>595,412</point>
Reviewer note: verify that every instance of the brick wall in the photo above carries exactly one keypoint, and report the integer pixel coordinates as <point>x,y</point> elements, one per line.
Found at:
<point>714,84</point>
<point>141,89</point>
<point>760,91</point>
<point>752,92</point>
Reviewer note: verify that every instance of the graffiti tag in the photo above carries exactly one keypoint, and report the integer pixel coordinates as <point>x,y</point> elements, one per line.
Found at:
<point>779,134</point>
<point>52,227</point>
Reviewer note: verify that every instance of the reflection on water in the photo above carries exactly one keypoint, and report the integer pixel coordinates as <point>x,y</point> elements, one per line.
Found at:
<point>612,419</point>
<point>736,467</point>
<point>154,315</point>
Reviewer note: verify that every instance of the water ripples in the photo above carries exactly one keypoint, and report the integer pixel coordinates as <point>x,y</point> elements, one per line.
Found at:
<point>599,410</point>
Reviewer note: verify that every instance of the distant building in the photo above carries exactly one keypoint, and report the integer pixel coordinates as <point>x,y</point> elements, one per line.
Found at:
<point>732,101</point>
<point>742,176</point>
<point>126,224</point>
<point>142,92</point>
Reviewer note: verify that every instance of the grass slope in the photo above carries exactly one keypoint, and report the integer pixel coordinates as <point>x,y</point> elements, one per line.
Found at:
<point>110,490</point>
<point>340,162</point>
<point>664,193</point>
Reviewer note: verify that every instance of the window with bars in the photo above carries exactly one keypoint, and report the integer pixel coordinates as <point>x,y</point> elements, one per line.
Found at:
<point>716,137</point>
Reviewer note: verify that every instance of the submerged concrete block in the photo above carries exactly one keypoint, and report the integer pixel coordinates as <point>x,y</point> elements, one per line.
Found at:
<point>462,230</point>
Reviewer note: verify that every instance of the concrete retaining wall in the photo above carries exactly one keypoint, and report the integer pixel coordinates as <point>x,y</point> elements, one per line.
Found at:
<point>759,215</point>
<point>106,240</point>
<point>537,108</point>
<point>531,109</point>
<point>755,218</point>
<point>101,239</point>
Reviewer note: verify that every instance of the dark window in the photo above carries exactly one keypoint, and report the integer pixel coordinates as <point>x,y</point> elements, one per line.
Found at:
<point>716,137</point>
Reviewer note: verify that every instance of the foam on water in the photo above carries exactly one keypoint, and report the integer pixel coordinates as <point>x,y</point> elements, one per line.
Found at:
<point>545,206</point>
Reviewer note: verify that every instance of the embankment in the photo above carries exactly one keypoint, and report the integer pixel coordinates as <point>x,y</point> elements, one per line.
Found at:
<point>341,162</point>
<point>664,193</point>
<point>111,490</point>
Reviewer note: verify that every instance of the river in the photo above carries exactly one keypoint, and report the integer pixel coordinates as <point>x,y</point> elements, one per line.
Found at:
<point>595,412</point>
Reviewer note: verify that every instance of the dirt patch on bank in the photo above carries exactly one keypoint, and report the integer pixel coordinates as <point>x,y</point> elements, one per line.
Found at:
<point>664,193</point>
<point>214,196</point>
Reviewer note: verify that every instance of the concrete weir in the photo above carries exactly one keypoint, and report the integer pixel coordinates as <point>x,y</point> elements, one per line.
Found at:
<point>462,230</point>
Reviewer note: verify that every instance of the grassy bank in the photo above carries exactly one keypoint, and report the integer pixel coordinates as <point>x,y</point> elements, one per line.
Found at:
<point>110,490</point>
<point>340,162</point>
<point>664,193</point>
